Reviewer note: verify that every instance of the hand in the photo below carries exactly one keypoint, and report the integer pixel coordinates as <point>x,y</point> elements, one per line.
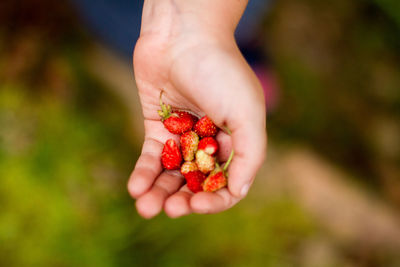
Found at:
<point>202,71</point>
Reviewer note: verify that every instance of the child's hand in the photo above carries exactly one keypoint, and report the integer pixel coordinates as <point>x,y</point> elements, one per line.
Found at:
<point>202,71</point>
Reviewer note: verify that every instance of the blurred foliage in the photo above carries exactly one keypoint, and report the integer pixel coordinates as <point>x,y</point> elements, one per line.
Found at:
<point>339,66</point>
<point>391,8</point>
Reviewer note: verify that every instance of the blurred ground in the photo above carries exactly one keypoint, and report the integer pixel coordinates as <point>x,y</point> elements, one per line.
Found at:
<point>70,131</point>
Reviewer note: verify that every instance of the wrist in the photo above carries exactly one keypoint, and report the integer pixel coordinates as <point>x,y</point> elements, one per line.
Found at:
<point>173,17</point>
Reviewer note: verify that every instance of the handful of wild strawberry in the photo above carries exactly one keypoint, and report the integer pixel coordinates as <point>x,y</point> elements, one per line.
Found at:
<point>196,157</point>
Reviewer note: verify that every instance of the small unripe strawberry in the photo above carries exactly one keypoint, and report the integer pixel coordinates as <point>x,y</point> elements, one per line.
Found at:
<point>204,161</point>
<point>209,145</point>
<point>176,122</point>
<point>171,156</point>
<point>194,181</point>
<point>205,127</point>
<point>189,142</point>
<point>188,166</point>
<point>215,180</point>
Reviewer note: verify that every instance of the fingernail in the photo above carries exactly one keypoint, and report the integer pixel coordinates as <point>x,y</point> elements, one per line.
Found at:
<point>244,190</point>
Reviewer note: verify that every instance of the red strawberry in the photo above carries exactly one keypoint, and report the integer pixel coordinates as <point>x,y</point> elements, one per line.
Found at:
<point>215,180</point>
<point>209,145</point>
<point>195,180</point>
<point>205,127</point>
<point>189,142</point>
<point>179,122</point>
<point>188,166</point>
<point>171,156</point>
<point>204,161</point>
<point>176,122</point>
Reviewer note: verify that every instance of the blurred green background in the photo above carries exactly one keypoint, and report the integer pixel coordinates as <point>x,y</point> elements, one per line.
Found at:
<point>328,195</point>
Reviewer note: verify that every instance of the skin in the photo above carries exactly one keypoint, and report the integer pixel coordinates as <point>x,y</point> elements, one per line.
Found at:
<point>187,48</point>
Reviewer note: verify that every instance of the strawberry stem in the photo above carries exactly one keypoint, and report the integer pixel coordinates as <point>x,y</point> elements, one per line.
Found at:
<point>226,129</point>
<point>160,99</point>
<point>229,160</point>
<point>165,111</point>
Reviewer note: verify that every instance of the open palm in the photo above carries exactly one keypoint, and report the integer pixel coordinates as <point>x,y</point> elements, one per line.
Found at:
<point>205,75</point>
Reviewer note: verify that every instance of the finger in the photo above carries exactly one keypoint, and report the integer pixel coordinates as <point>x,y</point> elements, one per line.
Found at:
<point>178,204</point>
<point>207,203</point>
<point>151,203</point>
<point>249,143</point>
<point>155,130</point>
<point>147,168</point>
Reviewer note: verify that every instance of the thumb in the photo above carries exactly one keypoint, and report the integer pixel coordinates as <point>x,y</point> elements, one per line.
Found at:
<point>249,142</point>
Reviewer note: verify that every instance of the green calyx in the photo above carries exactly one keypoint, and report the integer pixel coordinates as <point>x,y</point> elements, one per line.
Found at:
<point>166,110</point>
